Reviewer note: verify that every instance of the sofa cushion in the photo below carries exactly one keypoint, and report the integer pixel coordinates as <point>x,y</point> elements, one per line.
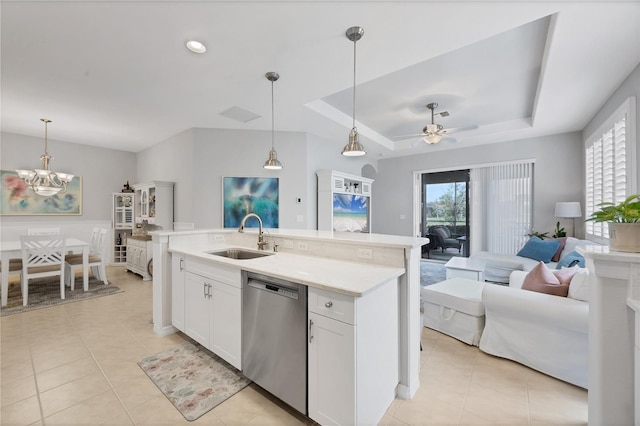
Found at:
<point>565,275</point>
<point>542,250</point>
<point>579,286</point>
<point>542,280</point>
<point>568,259</point>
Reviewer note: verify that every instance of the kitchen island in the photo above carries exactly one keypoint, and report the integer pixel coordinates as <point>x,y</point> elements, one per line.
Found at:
<point>375,277</point>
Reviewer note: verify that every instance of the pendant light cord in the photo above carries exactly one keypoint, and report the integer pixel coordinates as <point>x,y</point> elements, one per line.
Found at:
<point>45,135</point>
<point>272,115</point>
<point>354,84</point>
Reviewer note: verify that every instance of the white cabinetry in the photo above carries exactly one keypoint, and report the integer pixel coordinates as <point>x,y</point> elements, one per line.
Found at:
<point>177,291</point>
<point>344,202</point>
<point>345,389</point>
<point>213,308</point>
<point>122,225</point>
<point>139,254</point>
<point>154,204</point>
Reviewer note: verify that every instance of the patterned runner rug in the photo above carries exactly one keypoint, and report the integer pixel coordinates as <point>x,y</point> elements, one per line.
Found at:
<point>192,378</point>
<point>45,292</point>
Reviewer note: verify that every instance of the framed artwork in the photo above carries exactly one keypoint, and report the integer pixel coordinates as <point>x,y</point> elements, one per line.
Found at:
<point>243,195</point>
<point>19,200</point>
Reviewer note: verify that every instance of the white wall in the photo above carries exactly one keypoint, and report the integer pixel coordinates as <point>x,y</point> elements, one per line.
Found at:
<point>103,171</point>
<point>558,176</point>
<point>172,161</point>
<point>629,87</point>
<point>222,153</point>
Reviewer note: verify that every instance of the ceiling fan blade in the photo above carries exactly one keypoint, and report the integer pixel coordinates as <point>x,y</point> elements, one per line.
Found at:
<point>459,129</point>
<point>408,136</point>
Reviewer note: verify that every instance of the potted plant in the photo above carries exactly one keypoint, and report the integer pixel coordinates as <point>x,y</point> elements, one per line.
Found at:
<point>623,220</point>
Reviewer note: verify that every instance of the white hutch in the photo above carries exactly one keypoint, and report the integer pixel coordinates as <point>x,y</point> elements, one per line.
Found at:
<point>344,202</point>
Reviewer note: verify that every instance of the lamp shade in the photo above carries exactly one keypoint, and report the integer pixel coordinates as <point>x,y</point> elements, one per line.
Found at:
<point>568,209</point>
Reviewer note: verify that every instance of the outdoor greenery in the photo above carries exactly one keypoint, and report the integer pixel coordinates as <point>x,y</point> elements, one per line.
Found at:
<point>627,211</point>
<point>450,208</point>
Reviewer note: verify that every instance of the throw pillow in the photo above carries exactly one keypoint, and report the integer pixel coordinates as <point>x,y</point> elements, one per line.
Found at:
<point>569,259</point>
<point>542,280</point>
<point>565,275</point>
<point>579,287</point>
<point>556,256</point>
<point>537,249</point>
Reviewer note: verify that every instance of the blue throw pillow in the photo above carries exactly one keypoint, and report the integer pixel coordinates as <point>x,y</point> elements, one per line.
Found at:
<point>541,250</point>
<point>568,260</point>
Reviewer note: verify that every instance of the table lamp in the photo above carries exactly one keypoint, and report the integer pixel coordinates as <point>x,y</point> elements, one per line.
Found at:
<point>569,209</point>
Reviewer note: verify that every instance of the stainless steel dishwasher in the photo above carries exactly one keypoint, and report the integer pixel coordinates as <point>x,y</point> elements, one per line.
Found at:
<point>274,337</point>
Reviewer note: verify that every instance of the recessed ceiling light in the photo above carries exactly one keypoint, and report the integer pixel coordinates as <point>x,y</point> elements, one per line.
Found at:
<point>196,46</point>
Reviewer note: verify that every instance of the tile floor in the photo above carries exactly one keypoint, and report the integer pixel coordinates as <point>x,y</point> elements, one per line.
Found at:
<point>76,364</point>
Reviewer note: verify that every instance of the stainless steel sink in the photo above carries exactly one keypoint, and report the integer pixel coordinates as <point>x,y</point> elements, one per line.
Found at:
<point>239,253</point>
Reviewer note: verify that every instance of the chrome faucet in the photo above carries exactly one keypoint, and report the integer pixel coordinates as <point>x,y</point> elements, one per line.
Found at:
<point>261,242</point>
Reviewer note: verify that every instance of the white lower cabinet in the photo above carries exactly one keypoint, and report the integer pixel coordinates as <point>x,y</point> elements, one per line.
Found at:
<point>139,254</point>
<point>213,309</point>
<point>331,371</point>
<point>352,355</point>
<point>177,291</point>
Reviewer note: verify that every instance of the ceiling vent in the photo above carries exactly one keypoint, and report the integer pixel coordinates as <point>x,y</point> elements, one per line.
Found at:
<point>239,114</point>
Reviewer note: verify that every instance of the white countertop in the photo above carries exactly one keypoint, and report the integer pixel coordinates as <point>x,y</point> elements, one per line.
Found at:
<point>350,278</point>
<point>344,237</point>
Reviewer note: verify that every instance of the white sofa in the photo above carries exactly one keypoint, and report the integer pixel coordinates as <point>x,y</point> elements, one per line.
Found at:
<point>547,333</point>
<point>498,267</point>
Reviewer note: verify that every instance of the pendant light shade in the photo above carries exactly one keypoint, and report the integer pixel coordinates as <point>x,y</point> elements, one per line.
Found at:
<point>272,162</point>
<point>354,148</point>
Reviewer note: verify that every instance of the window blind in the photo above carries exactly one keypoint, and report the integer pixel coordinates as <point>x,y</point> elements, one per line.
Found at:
<point>502,207</point>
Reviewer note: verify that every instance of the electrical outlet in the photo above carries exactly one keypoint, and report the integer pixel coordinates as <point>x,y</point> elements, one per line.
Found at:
<point>288,244</point>
<point>218,238</point>
<point>302,245</point>
<point>365,253</point>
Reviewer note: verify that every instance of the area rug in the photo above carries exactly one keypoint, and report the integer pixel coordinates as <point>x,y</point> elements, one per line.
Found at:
<point>45,292</point>
<point>431,272</point>
<point>194,379</point>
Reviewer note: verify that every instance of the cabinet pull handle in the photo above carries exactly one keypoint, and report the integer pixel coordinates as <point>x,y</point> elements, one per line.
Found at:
<point>328,304</point>
<point>209,290</point>
<point>181,264</point>
<point>310,331</point>
<point>204,290</point>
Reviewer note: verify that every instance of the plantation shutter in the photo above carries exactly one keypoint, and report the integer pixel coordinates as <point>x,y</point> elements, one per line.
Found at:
<point>607,167</point>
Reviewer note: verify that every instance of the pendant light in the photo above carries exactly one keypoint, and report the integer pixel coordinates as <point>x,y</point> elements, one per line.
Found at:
<point>44,181</point>
<point>353,148</point>
<point>272,162</point>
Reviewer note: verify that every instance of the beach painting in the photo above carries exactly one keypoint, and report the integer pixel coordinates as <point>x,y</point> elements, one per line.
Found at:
<point>350,213</point>
<point>243,195</point>
<point>19,200</point>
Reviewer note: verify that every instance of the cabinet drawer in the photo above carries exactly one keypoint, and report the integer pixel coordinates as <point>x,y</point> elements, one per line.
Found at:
<point>332,305</point>
<point>226,274</point>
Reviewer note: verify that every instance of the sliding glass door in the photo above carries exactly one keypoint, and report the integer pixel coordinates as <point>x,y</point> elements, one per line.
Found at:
<point>445,210</point>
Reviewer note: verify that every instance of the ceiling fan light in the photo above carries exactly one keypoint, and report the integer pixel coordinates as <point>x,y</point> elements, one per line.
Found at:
<point>432,139</point>
<point>353,148</point>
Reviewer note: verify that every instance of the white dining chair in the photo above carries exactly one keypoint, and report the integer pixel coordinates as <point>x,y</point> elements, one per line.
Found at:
<point>42,256</point>
<point>97,259</point>
<point>43,231</point>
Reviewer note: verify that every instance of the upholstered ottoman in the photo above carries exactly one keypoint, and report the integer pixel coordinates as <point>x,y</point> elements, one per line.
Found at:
<point>454,307</point>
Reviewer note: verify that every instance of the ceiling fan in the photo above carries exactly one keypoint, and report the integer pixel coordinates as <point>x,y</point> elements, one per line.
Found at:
<point>432,133</point>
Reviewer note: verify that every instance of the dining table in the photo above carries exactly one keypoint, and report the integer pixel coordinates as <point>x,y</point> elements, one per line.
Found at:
<point>13,249</point>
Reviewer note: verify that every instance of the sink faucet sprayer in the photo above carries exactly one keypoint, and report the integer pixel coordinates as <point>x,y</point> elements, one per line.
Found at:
<point>261,242</point>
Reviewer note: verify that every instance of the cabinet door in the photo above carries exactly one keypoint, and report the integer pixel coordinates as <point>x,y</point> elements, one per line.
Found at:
<point>177,291</point>
<point>197,306</point>
<point>331,371</point>
<point>226,325</point>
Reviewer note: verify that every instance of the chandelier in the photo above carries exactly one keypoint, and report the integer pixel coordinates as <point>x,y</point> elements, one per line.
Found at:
<point>44,181</point>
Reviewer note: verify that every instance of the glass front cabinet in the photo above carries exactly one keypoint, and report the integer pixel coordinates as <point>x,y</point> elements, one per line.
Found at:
<point>122,225</point>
